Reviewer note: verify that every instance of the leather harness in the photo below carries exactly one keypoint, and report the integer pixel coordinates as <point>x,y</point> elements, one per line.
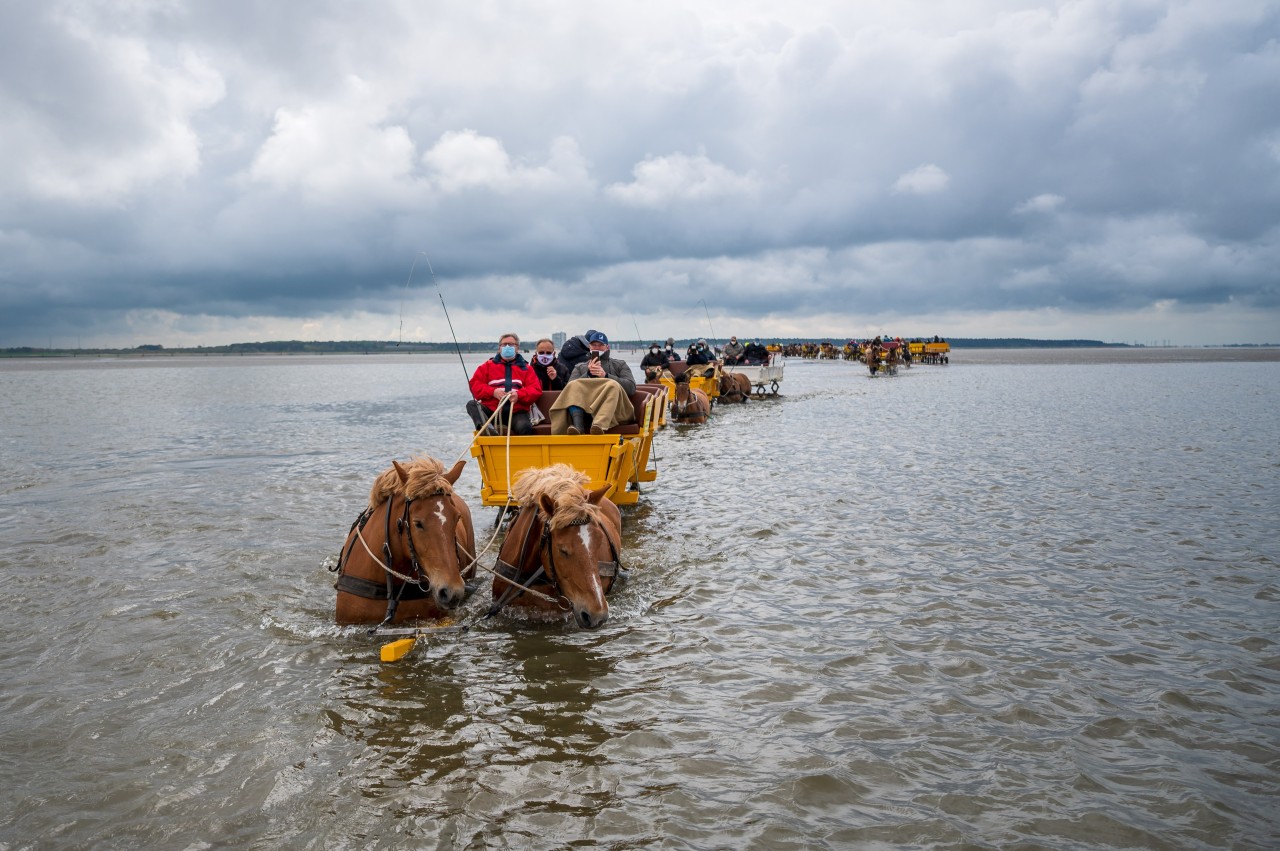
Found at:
<point>417,588</point>
<point>546,564</point>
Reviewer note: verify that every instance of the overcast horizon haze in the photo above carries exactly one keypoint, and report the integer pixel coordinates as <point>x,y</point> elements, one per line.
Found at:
<point>184,174</point>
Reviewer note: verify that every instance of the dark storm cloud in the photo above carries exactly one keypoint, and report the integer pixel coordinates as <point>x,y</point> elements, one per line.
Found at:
<point>246,168</point>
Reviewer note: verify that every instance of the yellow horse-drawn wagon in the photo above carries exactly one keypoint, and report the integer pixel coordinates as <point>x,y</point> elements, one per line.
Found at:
<point>935,353</point>
<point>619,458</point>
<point>704,377</point>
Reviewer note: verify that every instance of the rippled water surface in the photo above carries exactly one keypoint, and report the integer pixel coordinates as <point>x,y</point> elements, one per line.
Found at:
<point>1023,600</point>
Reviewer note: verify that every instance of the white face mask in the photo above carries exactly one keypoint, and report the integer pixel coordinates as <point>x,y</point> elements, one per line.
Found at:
<point>545,359</point>
<point>653,351</point>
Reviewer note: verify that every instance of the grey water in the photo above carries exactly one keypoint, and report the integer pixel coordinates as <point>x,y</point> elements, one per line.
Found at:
<point>1026,599</point>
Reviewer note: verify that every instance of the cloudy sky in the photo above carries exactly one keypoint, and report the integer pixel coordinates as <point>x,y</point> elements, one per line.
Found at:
<point>196,173</point>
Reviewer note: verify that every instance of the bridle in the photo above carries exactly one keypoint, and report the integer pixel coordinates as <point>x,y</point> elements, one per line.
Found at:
<point>606,568</point>
<point>547,567</point>
<point>418,581</point>
<point>681,407</point>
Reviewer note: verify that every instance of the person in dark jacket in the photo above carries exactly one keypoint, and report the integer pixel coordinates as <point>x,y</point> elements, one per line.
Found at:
<point>551,372</point>
<point>506,374</point>
<point>699,354</point>
<point>654,362</point>
<point>575,351</point>
<point>754,353</point>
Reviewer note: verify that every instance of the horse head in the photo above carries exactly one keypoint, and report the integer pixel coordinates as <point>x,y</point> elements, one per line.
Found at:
<point>405,555</point>
<point>734,387</point>
<point>578,534</point>
<point>436,521</point>
<point>689,404</point>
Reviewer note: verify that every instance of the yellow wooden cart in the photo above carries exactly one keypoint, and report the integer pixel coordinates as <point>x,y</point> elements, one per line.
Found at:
<point>618,458</point>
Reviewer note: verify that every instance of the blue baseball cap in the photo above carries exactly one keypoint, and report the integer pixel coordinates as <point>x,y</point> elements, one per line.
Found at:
<point>597,337</point>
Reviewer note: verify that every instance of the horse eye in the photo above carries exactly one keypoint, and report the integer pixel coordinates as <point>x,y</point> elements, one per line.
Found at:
<point>418,523</point>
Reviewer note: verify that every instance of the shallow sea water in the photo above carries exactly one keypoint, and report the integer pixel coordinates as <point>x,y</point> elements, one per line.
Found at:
<point>1027,599</point>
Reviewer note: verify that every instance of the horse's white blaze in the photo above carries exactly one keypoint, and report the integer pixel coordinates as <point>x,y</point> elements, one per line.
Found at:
<point>584,532</point>
<point>444,521</point>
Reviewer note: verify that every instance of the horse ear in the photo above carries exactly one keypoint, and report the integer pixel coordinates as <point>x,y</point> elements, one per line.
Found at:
<point>400,471</point>
<point>547,504</point>
<point>453,474</point>
<point>596,495</point>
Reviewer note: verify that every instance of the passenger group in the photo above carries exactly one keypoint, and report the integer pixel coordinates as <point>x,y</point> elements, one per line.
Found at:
<point>594,387</point>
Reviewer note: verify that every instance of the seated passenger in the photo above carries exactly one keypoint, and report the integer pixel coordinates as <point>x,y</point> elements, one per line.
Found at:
<point>506,374</point>
<point>699,354</point>
<point>552,374</point>
<point>654,362</point>
<point>670,350</point>
<point>733,351</point>
<point>598,395</point>
<point>755,354</point>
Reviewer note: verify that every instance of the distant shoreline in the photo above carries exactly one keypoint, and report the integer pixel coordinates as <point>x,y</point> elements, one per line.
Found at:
<point>295,347</point>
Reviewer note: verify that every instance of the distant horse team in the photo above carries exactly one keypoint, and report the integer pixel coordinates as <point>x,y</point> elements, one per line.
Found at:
<point>690,405</point>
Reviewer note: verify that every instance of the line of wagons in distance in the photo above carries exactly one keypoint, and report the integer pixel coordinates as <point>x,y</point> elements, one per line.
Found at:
<point>621,458</point>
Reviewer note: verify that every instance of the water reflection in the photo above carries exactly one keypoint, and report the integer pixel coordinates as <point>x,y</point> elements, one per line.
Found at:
<point>552,696</point>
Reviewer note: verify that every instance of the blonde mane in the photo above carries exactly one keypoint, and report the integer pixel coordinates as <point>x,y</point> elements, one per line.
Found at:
<point>426,478</point>
<point>564,485</point>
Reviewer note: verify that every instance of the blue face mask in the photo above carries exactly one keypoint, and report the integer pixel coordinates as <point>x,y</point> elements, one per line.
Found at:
<point>507,352</point>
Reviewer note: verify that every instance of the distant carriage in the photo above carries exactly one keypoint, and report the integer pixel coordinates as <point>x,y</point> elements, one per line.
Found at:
<point>936,353</point>
<point>764,378</point>
<point>704,377</point>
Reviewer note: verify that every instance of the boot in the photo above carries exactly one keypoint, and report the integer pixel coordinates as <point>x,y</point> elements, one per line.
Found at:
<point>577,420</point>
<point>477,414</point>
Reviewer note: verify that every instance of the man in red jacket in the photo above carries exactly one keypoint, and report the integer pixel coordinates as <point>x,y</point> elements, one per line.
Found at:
<point>506,374</point>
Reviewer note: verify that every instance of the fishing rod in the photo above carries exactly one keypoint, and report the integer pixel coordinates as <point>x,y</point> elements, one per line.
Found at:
<point>703,302</point>
<point>456,347</point>
<point>639,339</point>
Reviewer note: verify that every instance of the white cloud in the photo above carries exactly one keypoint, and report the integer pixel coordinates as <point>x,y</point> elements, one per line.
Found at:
<point>125,126</point>
<point>927,179</point>
<point>660,181</point>
<point>1046,203</point>
<point>335,149</point>
<point>463,160</point>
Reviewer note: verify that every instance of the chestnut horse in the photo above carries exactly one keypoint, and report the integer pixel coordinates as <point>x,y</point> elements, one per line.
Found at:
<point>406,553</point>
<point>734,387</point>
<point>561,553</point>
<point>690,405</point>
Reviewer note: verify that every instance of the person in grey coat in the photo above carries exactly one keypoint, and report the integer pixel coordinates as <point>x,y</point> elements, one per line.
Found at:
<point>595,406</point>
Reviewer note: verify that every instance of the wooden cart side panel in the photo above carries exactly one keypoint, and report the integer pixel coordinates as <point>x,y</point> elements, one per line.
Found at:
<point>592,454</point>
